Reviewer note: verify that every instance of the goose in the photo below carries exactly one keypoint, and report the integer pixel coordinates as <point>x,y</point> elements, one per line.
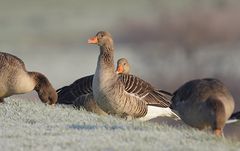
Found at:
<point>204,103</point>
<point>125,95</point>
<point>123,66</point>
<point>79,93</point>
<point>15,79</point>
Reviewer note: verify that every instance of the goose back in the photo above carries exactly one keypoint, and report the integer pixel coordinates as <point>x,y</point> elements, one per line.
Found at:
<point>203,103</point>
<point>14,77</point>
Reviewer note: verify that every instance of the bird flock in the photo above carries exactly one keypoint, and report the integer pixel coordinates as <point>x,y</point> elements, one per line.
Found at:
<point>200,103</point>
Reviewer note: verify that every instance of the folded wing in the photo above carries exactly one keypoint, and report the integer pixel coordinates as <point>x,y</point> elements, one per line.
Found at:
<point>143,90</point>
<point>82,86</point>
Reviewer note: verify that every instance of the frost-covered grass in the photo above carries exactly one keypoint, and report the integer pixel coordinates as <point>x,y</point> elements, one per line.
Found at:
<point>27,125</point>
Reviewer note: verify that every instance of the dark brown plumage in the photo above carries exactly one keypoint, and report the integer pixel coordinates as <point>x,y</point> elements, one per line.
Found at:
<point>68,94</point>
<point>204,103</point>
<point>45,91</point>
<point>235,115</point>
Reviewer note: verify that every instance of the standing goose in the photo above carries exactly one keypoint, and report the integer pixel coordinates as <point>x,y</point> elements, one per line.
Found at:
<point>15,79</point>
<point>124,95</point>
<point>204,103</point>
<point>79,93</point>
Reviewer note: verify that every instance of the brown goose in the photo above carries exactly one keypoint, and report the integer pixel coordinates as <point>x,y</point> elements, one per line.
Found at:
<point>124,95</point>
<point>15,79</point>
<point>79,93</point>
<point>204,103</point>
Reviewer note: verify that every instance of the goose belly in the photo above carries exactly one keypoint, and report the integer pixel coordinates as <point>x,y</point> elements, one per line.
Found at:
<point>24,83</point>
<point>104,97</point>
<point>6,84</point>
<point>103,91</point>
<point>119,103</point>
<point>111,96</point>
<point>4,90</point>
<point>193,116</point>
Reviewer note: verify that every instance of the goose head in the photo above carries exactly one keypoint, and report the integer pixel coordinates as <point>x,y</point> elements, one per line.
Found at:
<point>123,66</point>
<point>46,92</point>
<point>102,38</point>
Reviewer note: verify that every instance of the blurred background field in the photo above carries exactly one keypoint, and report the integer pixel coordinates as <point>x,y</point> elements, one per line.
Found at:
<point>166,42</point>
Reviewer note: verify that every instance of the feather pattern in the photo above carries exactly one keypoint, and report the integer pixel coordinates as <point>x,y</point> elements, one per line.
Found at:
<point>82,86</point>
<point>143,90</point>
<point>133,85</point>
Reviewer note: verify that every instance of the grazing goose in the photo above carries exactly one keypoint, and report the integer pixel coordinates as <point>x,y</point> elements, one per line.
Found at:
<point>79,93</point>
<point>204,103</point>
<point>124,95</point>
<point>15,79</point>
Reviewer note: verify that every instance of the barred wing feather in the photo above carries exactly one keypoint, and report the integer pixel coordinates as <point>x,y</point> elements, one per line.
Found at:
<point>139,88</point>
<point>82,86</point>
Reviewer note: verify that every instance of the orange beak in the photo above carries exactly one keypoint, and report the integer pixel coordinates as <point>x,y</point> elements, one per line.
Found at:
<point>93,40</point>
<point>120,69</point>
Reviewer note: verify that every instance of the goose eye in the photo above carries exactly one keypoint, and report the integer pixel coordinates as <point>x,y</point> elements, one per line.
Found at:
<point>100,36</point>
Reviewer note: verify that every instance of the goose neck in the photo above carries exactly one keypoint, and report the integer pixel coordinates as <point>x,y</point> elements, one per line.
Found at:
<point>106,56</point>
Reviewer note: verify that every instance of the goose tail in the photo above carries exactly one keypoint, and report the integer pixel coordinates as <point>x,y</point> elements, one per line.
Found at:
<point>235,117</point>
<point>154,111</point>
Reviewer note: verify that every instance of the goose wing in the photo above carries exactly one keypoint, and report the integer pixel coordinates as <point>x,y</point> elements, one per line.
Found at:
<point>82,86</point>
<point>143,90</point>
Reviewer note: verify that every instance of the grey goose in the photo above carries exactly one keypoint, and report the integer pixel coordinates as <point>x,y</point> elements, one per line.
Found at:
<point>123,66</point>
<point>203,104</point>
<point>79,93</point>
<point>124,95</point>
<point>15,79</point>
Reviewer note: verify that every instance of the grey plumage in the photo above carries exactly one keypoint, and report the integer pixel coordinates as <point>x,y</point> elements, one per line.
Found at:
<point>121,95</point>
<point>79,93</point>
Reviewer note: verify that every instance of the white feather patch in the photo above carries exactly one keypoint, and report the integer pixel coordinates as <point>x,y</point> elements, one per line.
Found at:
<point>154,112</point>
<point>232,121</point>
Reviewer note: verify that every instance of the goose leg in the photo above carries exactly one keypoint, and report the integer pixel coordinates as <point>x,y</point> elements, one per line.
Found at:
<point>218,132</point>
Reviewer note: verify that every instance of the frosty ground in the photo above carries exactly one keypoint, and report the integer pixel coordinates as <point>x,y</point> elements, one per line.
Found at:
<point>31,125</point>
